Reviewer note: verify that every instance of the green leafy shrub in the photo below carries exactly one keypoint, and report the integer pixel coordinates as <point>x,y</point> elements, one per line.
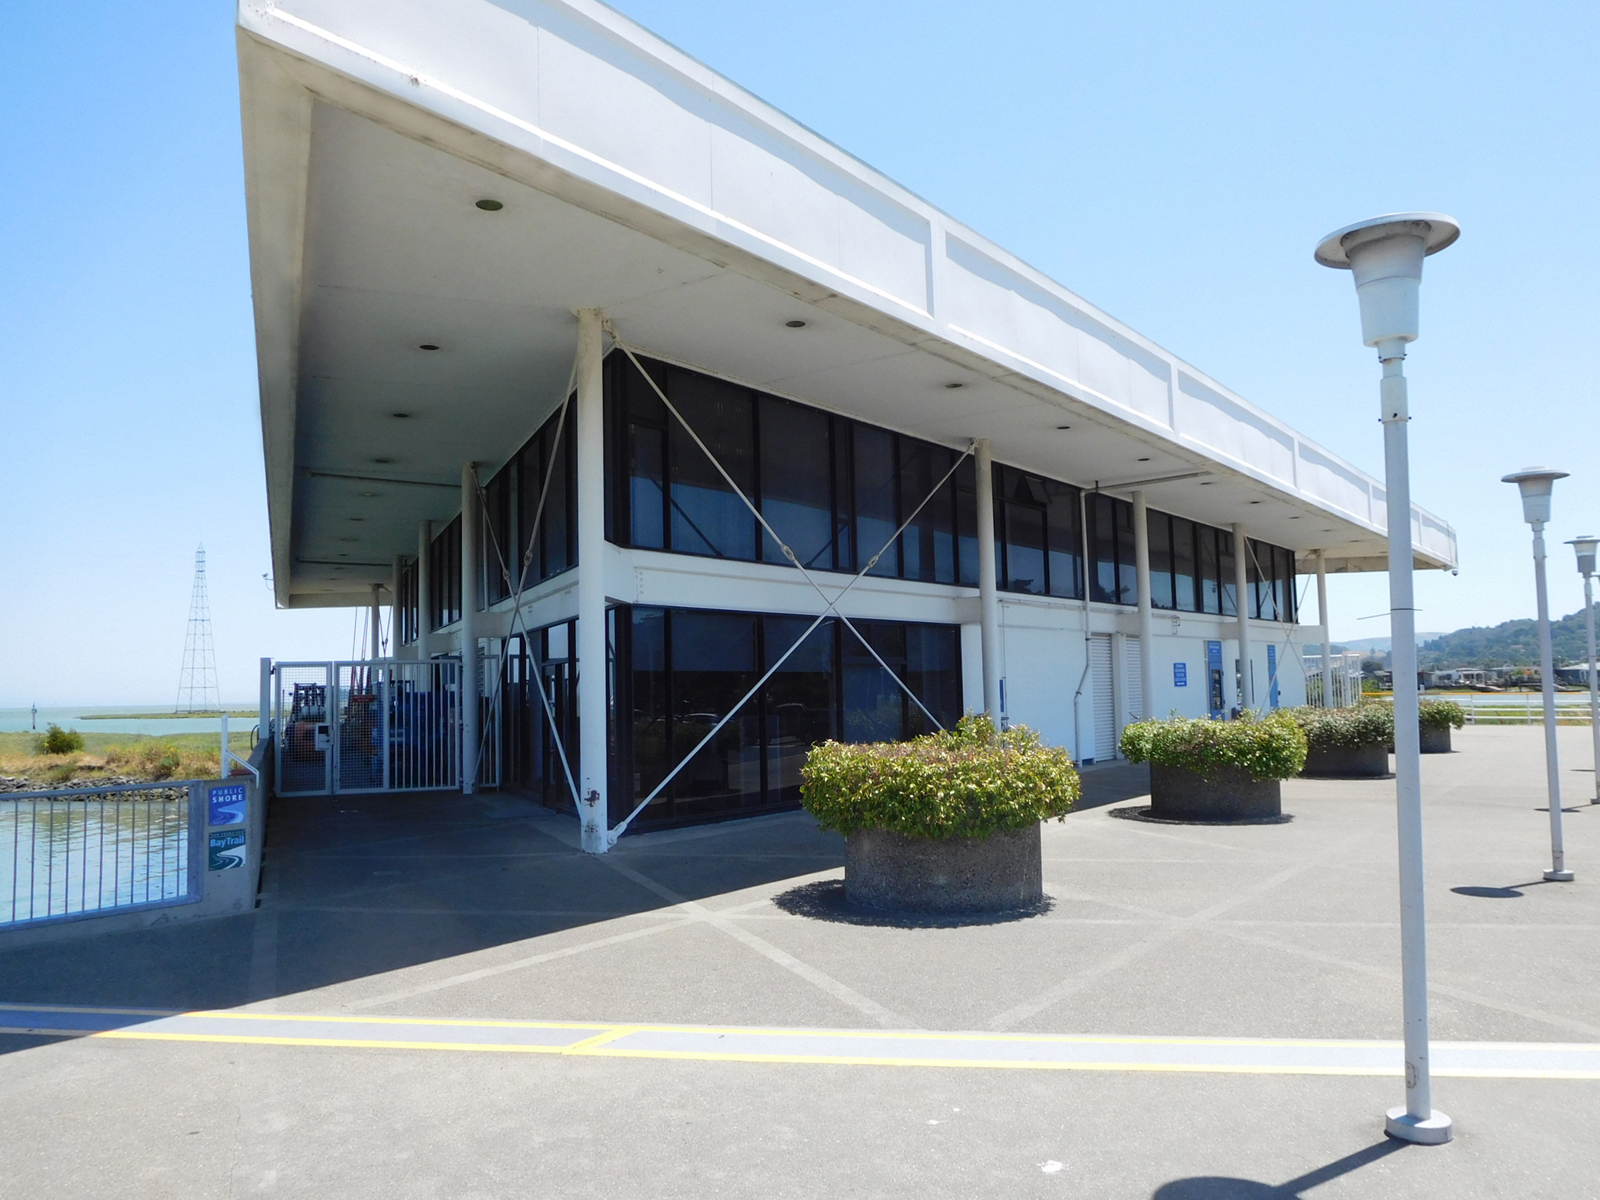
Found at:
<point>57,740</point>
<point>1270,747</point>
<point>1346,728</point>
<point>969,781</point>
<point>1441,714</point>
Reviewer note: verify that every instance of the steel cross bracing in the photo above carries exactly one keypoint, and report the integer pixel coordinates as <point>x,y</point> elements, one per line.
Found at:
<point>517,619</point>
<point>830,603</point>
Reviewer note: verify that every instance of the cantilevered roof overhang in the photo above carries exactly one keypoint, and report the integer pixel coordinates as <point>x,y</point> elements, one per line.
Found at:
<point>635,180</point>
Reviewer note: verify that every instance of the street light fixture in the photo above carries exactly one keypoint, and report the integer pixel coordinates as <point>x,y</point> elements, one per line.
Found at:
<point>1535,484</point>
<point>1585,549</point>
<point>1385,255</point>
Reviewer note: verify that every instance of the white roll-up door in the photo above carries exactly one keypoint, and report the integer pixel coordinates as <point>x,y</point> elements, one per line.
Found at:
<point>1133,679</point>
<point>1105,712</point>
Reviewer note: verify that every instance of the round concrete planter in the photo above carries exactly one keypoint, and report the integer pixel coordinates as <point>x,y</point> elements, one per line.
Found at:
<point>1230,794</point>
<point>1435,740</point>
<point>999,873</point>
<point>1349,762</point>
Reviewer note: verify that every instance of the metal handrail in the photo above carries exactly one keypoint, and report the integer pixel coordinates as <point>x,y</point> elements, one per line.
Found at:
<point>170,784</point>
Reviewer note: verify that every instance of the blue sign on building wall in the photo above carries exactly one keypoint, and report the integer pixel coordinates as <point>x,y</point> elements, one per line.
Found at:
<point>1272,674</point>
<point>1214,694</point>
<point>1180,674</point>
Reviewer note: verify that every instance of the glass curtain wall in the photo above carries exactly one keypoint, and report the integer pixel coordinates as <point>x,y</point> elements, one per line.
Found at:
<point>835,490</point>
<point>444,576</point>
<point>405,604</point>
<point>680,671</point>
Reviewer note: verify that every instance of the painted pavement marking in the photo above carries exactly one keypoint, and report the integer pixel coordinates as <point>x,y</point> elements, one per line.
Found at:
<point>839,1047</point>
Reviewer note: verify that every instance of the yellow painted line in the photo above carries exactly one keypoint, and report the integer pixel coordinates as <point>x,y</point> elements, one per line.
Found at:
<point>588,1045</point>
<point>602,1042</point>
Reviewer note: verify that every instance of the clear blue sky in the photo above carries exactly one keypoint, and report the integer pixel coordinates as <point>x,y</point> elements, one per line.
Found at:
<point>1172,163</point>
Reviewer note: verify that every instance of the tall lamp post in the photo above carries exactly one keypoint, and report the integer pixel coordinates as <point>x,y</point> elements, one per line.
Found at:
<point>1585,549</point>
<point>1535,484</point>
<point>1385,255</point>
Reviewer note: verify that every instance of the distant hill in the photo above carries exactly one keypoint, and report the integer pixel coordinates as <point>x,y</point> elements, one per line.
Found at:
<point>1380,645</point>
<point>1514,642</point>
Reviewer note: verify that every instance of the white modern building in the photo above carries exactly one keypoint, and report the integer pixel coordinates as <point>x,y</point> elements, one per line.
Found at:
<point>566,343</point>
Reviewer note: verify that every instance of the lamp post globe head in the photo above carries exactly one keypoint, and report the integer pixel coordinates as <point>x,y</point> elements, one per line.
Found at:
<point>1535,484</point>
<point>1584,548</point>
<point>1385,255</point>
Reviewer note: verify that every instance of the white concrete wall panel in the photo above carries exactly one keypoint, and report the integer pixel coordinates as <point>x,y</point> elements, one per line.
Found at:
<point>1334,483</point>
<point>445,42</point>
<point>1224,426</point>
<point>595,94</point>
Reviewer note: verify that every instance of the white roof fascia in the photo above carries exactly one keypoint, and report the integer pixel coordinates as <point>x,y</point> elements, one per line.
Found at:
<point>480,68</point>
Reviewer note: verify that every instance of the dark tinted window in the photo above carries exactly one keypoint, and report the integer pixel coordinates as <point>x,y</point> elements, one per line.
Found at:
<point>444,576</point>
<point>1065,540</point>
<point>707,516</point>
<point>876,511</point>
<point>1185,596</point>
<point>1160,527</point>
<point>682,670</point>
<point>797,482</point>
<point>928,546</point>
<point>1228,568</point>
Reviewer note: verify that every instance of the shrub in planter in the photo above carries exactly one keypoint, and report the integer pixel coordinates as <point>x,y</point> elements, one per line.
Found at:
<point>1347,742</point>
<point>945,822</point>
<point>1437,718</point>
<point>1204,770</point>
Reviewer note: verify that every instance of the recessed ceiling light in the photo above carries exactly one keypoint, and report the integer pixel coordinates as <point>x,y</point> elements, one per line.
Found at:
<point>366,495</point>
<point>401,416</point>
<point>953,386</point>
<point>383,461</point>
<point>490,205</point>
<point>795,324</point>
<point>1063,426</point>
<point>1144,460</point>
<point>427,346</point>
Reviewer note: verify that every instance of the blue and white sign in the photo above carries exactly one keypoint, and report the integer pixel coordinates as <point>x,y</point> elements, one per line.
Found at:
<point>226,850</point>
<point>1180,674</point>
<point>227,805</point>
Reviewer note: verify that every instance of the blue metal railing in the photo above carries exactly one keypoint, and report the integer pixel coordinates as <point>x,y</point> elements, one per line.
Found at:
<point>94,850</point>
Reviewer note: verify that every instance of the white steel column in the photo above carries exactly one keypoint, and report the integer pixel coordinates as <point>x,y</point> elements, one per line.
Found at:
<point>1141,561</point>
<point>375,621</point>
<point>1322,617</point>
<point>265,729</point>
<point>1594,679</point>
<point>1558,872</point>
<point>592,708</point>
<point>424,591</point>
<point>470,685</point>
<point>988,593</point>
<point>1241,588</point>
<point>394,605</point>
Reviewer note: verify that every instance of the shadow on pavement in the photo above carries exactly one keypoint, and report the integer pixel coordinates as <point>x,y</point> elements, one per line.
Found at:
<point>355,886</point>
<point>1219,1187</point>
<point>1113,783</point>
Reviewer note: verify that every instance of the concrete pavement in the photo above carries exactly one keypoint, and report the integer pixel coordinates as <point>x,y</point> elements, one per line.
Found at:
<point>481,910</point>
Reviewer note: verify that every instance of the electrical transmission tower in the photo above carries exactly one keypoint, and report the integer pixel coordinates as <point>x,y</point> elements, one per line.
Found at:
<point>197,681</point>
